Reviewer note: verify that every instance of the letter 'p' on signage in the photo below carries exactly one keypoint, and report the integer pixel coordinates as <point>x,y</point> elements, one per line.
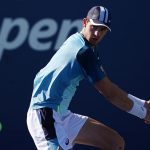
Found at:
<point>44,34</point>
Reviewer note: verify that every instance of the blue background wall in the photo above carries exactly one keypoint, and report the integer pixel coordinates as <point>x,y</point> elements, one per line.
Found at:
<point>124,53</point>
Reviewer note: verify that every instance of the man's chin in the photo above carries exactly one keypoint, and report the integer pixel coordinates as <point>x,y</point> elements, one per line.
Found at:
<point>93,43</point>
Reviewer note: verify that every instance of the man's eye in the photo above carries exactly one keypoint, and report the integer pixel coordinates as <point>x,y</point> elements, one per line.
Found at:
<point>98,28</point>
<point>103,29</point>
<point>93,27</point>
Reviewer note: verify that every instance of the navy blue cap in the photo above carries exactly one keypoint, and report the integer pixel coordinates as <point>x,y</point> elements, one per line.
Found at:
<point>99,16</point>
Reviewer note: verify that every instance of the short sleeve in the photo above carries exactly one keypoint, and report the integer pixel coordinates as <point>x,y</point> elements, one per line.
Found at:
<point>90,64</point>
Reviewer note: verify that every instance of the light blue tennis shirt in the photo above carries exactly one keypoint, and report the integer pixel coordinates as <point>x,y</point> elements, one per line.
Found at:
<point>56,83</point>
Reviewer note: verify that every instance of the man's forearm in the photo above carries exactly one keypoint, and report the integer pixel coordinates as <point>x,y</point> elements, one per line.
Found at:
<point>121,99</point>
<point>114,94</point>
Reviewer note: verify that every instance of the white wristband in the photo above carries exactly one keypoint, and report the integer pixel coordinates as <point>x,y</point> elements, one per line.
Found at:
<point>137,100</point>
<point>138,108</point>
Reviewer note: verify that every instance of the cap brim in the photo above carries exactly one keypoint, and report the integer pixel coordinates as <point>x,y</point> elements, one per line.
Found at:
<point>97,23</point>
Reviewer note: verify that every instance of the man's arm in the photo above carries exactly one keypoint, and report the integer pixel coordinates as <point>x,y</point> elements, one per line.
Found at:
<point>120,98</point>
<point>114,94</point>
<point>127,102</point>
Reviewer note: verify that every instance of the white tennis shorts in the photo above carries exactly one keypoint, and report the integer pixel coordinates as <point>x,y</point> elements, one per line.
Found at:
<point>62,130</point>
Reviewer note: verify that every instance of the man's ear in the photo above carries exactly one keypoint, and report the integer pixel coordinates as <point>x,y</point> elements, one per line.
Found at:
<point>84,22</point>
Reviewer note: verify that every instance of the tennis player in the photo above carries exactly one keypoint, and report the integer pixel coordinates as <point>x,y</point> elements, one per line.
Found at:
<point>51,124</point>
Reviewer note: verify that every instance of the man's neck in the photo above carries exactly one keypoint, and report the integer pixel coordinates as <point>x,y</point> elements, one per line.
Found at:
<point>92,46</point>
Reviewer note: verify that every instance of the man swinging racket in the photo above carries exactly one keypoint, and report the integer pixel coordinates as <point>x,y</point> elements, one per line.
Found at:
<point>51,124</point>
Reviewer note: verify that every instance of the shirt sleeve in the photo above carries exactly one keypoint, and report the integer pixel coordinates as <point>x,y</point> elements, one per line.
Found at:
<point>90,64</point>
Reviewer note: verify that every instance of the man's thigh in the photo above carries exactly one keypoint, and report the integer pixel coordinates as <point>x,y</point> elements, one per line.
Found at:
<point>67,127</point>
<point>96,134</point>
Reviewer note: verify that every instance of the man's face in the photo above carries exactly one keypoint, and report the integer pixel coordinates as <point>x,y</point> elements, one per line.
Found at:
<point>92,33</point>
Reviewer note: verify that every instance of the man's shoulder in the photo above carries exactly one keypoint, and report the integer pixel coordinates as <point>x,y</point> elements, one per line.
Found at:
<point>76,37</point>
<point>73,43</point>
<point>85,50</point>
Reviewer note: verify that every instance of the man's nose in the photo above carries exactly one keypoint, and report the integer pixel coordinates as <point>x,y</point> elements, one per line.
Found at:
<point>96,33</point>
